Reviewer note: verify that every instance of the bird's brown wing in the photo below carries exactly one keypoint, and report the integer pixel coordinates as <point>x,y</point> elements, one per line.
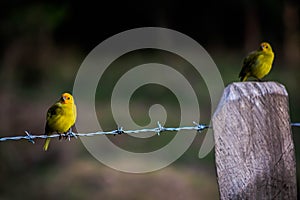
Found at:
<point>248,62</point>
<point>52,112</point>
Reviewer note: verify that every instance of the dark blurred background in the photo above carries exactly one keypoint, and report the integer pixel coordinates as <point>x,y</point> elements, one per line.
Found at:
<point>42,45</point>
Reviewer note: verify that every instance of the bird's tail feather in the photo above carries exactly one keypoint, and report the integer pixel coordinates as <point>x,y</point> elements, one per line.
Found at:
<point>243,78</point>
<point>46,145</point>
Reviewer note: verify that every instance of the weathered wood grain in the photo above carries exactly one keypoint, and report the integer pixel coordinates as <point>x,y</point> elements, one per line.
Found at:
<point>254,150</point>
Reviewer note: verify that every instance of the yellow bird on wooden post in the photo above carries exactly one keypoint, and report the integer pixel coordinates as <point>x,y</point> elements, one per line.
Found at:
<point>60,117</point>
<point>258,63</point>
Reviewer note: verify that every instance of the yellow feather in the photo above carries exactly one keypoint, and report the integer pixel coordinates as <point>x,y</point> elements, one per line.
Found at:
<point>46,145</point>
<point>258,63</point>
<point>60,117</point>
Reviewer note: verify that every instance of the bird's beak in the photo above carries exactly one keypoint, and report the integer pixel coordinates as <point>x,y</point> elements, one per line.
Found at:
<point>63,98</point>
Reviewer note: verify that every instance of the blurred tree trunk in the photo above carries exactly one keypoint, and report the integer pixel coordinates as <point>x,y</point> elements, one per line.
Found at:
<point>252,27</point>
<point>291,34</point>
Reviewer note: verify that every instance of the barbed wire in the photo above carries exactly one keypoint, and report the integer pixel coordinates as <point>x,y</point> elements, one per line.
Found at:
<point>159,129</point>
<point>295,124</point>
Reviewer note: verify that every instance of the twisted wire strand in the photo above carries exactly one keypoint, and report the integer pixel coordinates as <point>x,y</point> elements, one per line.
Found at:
<point>295,124</point>
<point>157,130</point>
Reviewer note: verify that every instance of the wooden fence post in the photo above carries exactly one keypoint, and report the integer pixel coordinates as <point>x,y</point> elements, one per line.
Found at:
<point>254,150</point>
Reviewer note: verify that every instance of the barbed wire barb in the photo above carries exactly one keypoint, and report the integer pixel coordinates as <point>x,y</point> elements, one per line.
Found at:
<point>29,137</point>
<point>201,127</point>
<point>158,130</point>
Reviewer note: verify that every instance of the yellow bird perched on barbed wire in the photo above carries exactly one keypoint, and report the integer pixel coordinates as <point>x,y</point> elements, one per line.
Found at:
<point>60,117</point>
<point>258,63</point>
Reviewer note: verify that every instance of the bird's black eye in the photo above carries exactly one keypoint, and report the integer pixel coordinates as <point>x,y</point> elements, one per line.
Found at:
<point>68,98</point>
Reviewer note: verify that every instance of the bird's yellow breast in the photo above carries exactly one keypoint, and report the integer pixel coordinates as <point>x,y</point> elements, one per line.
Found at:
<point>63,120</point>
<point>263,65</point>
